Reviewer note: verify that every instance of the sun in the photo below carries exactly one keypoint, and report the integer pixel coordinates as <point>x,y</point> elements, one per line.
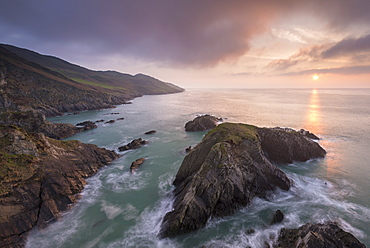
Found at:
<point>315,77</point>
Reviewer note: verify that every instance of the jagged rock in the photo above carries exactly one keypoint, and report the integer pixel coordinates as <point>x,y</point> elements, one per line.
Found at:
<point>202,123</point>
<point>225,172</point>
<point>151,132</point>
<point>87,125</point>
<point>111,121</point>
<point>328,235</point>
<point>136,163</point>
<point>41,178</point>
<point>99,121</point>
<point>35,121</point>
<point>287,146</point>
<point>278,217</point>
<point>136,143</point>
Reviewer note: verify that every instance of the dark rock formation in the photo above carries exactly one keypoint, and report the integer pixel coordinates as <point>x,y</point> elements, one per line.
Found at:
<point>278,217</point>
<point>40,178</point>
<point>328,235</point>
<point>111,121</point>
<point>35,121</point>
<point>188,149</point>
<point>119,119</point>
<point>287,146</point>
<point>308,134</point>
<point>99,121</point>
<point>136,163</point>
<point>225,172</point>
<point>87,125</point>
<point>202,123</point>
<point>151,132</point>
<point>136,143</point>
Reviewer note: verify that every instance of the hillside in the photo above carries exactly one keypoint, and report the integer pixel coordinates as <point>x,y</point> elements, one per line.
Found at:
<point>31,80</point>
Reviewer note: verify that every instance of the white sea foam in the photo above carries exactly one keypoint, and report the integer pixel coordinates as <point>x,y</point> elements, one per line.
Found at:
<point>110,210</point>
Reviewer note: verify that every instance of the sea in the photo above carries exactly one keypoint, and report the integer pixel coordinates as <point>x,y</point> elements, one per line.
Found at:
<point>118,208</point>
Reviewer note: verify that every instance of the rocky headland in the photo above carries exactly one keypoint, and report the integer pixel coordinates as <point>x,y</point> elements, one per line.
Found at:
<point>231,166</point>
<point>40,178</point>
<point>35,121</point>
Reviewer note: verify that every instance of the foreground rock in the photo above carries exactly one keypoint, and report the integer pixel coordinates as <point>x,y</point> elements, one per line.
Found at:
<point>136,143</point>
<point>40,178</point>
<point>328,235</point>
<point>202,123</point>
<point>136,164</point>
<point>35,121</point>
<point>225,172</point>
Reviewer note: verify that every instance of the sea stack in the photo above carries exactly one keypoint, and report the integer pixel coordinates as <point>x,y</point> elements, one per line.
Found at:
<point>226,171</point>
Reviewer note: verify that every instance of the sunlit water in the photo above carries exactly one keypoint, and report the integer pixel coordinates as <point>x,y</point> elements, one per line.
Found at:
<point>120,209</point>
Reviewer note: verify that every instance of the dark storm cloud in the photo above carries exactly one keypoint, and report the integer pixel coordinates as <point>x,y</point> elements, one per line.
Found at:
<point>192,32</point>
<point>349,47</point>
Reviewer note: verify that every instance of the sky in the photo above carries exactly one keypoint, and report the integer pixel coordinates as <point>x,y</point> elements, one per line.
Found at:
<point>203,43</point>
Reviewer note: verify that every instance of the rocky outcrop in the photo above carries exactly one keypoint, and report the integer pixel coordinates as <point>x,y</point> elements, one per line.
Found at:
<point>328,235</point>
<point>136,143</point>
<point>35,121</point>
<point>202,123</point>
<point>287,146</point>
<point>136,164</point>
<point>278,217</point>
<point>225,172</point>
<point>151,132</point>
<point>87,125</point>
<point>40,178</point>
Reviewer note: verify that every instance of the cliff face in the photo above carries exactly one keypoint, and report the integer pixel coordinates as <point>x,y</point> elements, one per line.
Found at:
<point>29,80</point>
<point>40,177</point>
<point>225,172</point>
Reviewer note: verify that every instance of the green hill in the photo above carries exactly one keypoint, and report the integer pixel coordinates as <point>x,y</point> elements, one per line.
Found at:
<point>31,80</point>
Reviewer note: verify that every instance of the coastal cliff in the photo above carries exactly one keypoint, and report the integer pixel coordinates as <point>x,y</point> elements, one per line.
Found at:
<point>29,80</point>
<point>41,177</point>
<point>231,166</point>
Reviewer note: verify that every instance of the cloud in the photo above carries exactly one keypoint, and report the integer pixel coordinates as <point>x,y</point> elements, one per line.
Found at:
<point>180,33</point>
<point>348,47</point>
<point>346,70</point>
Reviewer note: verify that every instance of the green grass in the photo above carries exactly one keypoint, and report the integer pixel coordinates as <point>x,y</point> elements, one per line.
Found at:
<point>233,132</point>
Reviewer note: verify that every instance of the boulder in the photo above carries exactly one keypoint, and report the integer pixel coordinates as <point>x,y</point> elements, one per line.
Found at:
<point>151,132</point>
<point>136,163</point>
<point>226,171</point>
<point>120,119</point>
<point>327,235</point>
<point>202,123</point>
<point>278,217</point>
<point>136,143</point>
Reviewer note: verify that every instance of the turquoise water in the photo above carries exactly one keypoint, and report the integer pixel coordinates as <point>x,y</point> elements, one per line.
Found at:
<point>120,209</point>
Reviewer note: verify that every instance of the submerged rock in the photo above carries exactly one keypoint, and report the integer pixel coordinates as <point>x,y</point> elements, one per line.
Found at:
<point>225,172</point>
<point>202,123</point>
<point>151,132</point>
<point>41,177</point>
<point>328,235</point>
<point>136,143</point>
